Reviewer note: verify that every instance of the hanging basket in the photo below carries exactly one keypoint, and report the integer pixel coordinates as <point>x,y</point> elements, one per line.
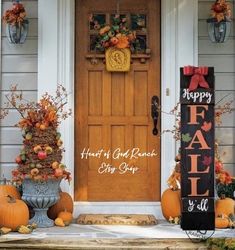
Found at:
<point>118,60</point>
<point>17,34</point>
<point>218,31</point>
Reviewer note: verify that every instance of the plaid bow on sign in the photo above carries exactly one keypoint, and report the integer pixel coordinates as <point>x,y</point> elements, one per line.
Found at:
<point>197,78</point>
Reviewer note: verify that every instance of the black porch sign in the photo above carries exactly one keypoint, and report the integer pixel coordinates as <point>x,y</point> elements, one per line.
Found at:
<point>197,148</point>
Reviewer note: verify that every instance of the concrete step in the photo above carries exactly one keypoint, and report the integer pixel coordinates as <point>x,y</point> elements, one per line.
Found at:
<point>68,243</point>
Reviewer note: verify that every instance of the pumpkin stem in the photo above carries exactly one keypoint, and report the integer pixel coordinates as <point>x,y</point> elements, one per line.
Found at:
<point>222,196</point>
<point>11,199</point>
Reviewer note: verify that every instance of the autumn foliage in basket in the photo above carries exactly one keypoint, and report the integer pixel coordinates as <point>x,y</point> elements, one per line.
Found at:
<point>41,155</point>
<point>16,15</point>
<point>116,35</point>
<point>221,10</point>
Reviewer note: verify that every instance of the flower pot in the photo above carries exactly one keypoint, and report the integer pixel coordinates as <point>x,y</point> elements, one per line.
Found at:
<point>117,60</point>
<point>17,33</point>
<point>41,195</point>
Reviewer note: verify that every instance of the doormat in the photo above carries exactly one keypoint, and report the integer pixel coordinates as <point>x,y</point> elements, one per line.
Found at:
<point>117,219</point>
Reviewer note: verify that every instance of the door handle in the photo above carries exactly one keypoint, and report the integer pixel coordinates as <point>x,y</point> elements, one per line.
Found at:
<point>155,113</point>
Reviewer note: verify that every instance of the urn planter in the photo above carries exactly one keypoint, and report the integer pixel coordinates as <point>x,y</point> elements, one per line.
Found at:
<point>41,195</point>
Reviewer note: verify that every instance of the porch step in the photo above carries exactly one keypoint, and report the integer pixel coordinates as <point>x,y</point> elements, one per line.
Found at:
<point>94,244</point>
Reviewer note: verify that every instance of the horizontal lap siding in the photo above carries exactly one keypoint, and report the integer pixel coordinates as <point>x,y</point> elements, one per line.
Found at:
<point>222,57</point>
<point>18,66</point>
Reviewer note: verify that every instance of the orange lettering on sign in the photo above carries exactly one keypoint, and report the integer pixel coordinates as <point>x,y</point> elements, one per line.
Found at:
<point>198,139</point>
<point>194,114</point>
<point>194,162</point>
<point>194,181</point>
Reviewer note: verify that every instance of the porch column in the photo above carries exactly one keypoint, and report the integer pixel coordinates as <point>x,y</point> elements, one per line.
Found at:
<point>56,64</point>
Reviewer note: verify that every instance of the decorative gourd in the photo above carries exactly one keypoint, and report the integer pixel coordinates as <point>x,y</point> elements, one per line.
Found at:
<point>65,203</point>
<point>222,221</point>
<point>13,213</point>
<point>6,189</point>
<point>170,203</point>
<point>5,230</point>
<point>67,217</point>
<point>224,206</point>
<point>24,229</point>
<point>59,222</point>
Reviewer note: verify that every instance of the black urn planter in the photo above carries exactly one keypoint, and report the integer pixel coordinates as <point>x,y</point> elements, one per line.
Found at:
<point>17,33</point>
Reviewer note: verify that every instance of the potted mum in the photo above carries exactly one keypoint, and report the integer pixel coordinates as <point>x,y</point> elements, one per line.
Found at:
<point>116,40</point>
<point>16,23</point>
<point>40,169</point>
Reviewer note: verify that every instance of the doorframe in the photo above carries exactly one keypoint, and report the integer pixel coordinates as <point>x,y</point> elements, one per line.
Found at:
<point>179,23</point>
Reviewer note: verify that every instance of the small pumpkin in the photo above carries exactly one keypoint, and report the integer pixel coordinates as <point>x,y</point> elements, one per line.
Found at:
<point>13,213</point>
<point>59,222</point>
<point>170,203</point>
<point>122,42</point>
<point>224,206</point>
<point>222,221</point>
<point>65,203</point>
<point>7,189</point>
<point>67,217</point>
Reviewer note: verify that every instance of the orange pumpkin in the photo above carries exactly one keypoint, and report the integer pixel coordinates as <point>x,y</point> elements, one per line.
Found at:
<point>11,190</point>
<point>222,221</point>
<point>65,203</point>
<point>224,206</point>
<point>171,203</point>
<point>67,217</point>
<point>122,42</point>
<point>13,213</point>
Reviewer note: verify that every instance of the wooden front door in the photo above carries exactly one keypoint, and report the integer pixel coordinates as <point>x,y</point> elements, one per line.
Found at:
<point>117,158</point>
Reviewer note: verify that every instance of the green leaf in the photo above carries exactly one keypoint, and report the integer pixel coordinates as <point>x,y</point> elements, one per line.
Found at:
<point>186,137</point>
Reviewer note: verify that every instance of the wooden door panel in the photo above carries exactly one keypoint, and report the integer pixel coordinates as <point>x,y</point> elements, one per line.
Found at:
<point>140,141</point>
<point>94,93</point>
<point>113,112</point>
<point>121,186</point>
<point>141,101</point>
<point>118,94</point>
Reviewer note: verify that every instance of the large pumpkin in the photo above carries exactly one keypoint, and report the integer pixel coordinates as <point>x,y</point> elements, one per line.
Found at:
<point>65,203</point>
<point>13,213</point>
<point>6,189</point>
<point>224,206</point>
<point>171,203</point>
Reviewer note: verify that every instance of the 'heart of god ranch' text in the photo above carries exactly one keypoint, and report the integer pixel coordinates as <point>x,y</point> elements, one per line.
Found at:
<point>123,168</point>
<point>134,153</point>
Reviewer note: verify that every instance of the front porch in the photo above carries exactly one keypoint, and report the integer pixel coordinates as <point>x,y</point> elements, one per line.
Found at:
<point>161,236</point>
<point>184,41</point>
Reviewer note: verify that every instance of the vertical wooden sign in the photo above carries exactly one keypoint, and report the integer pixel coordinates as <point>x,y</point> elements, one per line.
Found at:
<point>197,147</point>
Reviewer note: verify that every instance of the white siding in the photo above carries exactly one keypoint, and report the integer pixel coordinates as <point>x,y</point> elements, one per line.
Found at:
<point>18,66</point>
<point>222,57</point>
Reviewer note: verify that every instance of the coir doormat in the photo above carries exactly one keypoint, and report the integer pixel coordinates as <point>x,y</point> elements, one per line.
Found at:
<point>117,219</point>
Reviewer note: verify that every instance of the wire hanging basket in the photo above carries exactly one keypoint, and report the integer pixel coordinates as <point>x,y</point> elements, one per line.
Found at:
<point>17,33</point>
